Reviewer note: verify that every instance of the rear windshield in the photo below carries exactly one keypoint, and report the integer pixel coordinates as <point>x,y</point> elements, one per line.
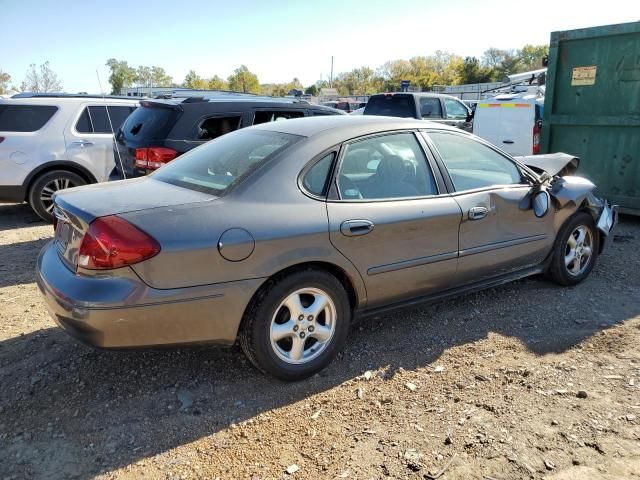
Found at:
<point>220,164</point>
<point>149,123</point>
<point>25,118</point>
<point>391,106</point>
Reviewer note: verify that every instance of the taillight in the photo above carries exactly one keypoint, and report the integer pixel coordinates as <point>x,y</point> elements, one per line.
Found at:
<point>112,242</point>
<point>537,128</point>
<point>153,158</point>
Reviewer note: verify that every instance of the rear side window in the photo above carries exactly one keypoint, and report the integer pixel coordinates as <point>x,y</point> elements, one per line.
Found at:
<point>149,123</point>
<point>317,178</point>
<point>430,108</point>
<point>25,118</point>
<point>94,119</point>
<point>391,106</point>
<point>215,127</point>
<point>266,116</point>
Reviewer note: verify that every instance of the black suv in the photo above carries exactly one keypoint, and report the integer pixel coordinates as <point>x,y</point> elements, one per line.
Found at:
<point>423,106</point>
<point>162,129</point>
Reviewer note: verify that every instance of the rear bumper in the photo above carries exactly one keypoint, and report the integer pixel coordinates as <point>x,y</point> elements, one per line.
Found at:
<point>12,193</point>
<point>123,312</point>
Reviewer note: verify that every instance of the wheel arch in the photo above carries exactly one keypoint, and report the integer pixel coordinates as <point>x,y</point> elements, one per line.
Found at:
<point>57,165</point>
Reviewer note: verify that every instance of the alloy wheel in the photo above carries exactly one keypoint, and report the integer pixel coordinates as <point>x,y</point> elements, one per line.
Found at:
<point>579,250</point>
<point>46,194</point>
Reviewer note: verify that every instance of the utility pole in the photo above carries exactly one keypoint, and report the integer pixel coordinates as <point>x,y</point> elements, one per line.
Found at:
<point>331,77</point>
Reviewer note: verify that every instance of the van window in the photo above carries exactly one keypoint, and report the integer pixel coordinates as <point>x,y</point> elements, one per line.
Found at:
<point>215,127</point>
<point>266,116</point>
<point>25,118</point>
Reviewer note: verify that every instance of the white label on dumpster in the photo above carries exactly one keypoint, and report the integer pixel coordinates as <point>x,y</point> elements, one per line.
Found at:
<point>584,76</point>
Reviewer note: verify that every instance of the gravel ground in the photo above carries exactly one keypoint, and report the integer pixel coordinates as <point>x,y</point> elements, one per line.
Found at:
<point>528,380</point>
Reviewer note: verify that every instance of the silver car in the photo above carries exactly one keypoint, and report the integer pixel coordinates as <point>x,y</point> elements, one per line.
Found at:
<point>279,235</point>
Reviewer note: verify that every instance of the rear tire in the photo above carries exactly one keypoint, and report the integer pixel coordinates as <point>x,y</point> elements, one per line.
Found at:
<point>46,185</point>
<point>296,325</point>
<point>575,251</point>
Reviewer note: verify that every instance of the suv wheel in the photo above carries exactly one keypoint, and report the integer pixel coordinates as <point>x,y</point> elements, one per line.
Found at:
<point>43,188</point>
<point>297,324</point>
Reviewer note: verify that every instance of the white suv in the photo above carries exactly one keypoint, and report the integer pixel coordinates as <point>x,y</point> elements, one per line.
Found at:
<point>52,142</point>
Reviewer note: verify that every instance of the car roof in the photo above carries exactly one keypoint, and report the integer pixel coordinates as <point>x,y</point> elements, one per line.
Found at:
<point>231,103</point>
<point>349,124</point>
<point>417,94</point>
<point>61,100</point>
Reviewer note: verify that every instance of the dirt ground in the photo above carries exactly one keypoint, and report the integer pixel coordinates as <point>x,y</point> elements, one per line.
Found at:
<point>528,380</point>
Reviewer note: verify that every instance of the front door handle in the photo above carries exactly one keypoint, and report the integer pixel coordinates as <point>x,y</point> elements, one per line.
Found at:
<point>508,142</point>
<point>353,228</point>
<point>476,213</point>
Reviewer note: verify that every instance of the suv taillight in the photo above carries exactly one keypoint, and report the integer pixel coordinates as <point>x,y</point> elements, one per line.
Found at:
<point>112,242</point>
<point>537,128</point>
<point>153,158</point>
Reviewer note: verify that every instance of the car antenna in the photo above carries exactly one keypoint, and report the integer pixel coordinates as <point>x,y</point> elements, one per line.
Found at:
<point>113,134</point>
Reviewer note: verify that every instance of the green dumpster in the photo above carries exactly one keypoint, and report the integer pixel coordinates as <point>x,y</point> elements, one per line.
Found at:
<point>592,107</point>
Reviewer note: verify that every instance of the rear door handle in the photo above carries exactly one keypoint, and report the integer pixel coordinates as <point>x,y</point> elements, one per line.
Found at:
<point>508,142</point>
<point>353,228</point>
<point>81,144</point>
<point>476,213</point>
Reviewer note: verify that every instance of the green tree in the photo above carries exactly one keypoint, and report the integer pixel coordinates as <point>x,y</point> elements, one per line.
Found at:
<point>41,80</point>
<point>531,56</point>
<point>122,75</point>
<point>143,76</point>
<point>5,78</point>
<point>195,81</point>
<point>159,77</point>
<point>217,83</point>
<point>242,80</point>
<point>312,90</point>
<point>470,71</point>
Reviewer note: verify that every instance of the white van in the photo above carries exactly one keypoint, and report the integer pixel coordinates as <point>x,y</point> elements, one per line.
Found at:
<point>512,122</point>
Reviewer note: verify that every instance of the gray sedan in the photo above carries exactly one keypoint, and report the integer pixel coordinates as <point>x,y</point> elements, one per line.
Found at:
<point>279,235</point>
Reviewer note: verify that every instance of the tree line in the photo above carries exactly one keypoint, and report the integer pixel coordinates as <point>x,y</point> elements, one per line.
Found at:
<point>425,72</point>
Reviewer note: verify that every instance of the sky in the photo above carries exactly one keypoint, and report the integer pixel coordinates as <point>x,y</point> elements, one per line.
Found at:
<point>277,39</point>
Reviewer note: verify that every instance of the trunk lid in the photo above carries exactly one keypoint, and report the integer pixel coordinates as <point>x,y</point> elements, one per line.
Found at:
<point>76,208</point>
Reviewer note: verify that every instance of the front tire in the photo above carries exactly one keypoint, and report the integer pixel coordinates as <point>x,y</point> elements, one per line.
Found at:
<point>296,324</point>
<point>43,188</point>
<point>575,251</point>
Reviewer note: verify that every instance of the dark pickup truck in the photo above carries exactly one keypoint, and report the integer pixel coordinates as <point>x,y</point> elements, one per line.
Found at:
<point>424,106</point>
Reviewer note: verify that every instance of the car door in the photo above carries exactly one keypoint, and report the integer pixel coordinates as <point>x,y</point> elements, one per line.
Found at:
<point>499,232</point>
<point>89,137</point>
<point>386,215</point>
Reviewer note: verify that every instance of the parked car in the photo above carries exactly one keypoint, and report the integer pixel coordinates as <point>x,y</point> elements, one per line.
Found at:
<point>52,141</point>
<point>513,122</point>
<point>280,234</point>
<point>439,108</point>
<point>359,111</point>
<point>347,106</point>
<point>162,130</point>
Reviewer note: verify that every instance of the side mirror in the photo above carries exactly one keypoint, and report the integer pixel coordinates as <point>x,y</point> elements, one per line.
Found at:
<point>541,201</point>
<point>470,115</point>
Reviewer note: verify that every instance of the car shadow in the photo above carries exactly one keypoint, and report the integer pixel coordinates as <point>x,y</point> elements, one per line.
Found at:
<point>18,261</point>
<point>18,215</point>
<point>68,411</point>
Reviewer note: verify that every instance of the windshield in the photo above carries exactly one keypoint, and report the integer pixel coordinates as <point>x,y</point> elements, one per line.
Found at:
<point>222,163</point>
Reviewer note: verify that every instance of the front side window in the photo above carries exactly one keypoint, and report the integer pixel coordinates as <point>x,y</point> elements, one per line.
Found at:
<point>389,166</point>
<point>455,110</point>
<point>430,108</point>
<point>24,118</point>
<point>215,127</point>
<point>218,165</point>
<point>472,164</point>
